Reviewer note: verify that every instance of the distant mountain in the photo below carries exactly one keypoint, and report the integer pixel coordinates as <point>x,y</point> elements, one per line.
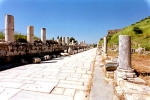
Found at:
<point>139,32</point>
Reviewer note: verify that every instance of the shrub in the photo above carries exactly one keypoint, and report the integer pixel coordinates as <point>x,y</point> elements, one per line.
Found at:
<point>132,24</point>
<point>137,30</point>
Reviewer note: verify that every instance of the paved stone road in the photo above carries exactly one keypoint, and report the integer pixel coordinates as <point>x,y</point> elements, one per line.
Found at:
<point>64,78</point>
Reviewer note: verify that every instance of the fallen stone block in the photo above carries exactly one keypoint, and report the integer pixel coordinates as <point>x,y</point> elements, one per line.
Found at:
<point>136,88</point>
<point>54,56</point>
<point>47,57</point>
<point>65,51</point>
<point>23,61</point>
<point>36,60</point>
<point>64,54</point>
<point>129,96</point>
<point>111,66</point>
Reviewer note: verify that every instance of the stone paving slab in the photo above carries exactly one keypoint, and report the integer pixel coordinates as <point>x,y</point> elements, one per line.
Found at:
<point>100,89</point>
<point>64,78</point>
<point>8,92</point>
<point>30,95</point>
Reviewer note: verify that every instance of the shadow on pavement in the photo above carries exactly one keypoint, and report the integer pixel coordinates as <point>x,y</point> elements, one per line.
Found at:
<point>47,62</point>
<point>57,58</point>
<point>13,65</point>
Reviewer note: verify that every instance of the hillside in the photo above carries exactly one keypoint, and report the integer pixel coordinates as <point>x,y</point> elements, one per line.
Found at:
<point>17,36</point>
<point>139,32</point>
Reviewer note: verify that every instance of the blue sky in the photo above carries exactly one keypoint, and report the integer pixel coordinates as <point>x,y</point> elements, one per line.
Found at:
<point>87,20</point>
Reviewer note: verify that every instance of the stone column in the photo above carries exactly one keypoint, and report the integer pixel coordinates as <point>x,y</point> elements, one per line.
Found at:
<point>30,34</point>
<point>59,42</point>
<point>83,42</point>
<point>9,28</point>
<point>124,52</point>
<point>105,45</point>
<point>43,35</point>
<point>98,45</point>
<point>124,69</point>
<point>76,42</point>
<point>72,42</point>
<point>63,40</point>
<point>67,40</point>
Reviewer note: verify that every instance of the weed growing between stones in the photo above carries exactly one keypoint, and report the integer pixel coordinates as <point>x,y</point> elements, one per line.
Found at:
<point>91,82</point>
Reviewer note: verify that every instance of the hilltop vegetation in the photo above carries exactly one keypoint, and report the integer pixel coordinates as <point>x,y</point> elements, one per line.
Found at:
<point>139,32</point>
<point>17,36</point>
<point>23,36</point>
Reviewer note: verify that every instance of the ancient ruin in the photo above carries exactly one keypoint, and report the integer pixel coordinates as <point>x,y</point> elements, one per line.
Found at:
<point>43,35</point>
<point>124,69</point>
<point>9,28</point>
<point>30,50</point>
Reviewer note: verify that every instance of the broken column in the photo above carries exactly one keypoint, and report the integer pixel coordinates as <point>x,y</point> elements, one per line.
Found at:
<point>124,69</point>
<point>105,47</point>
<point>76,42</point>
<point>43,35</point>
<point>84,42</point>
<point>72,42</point>
<point>9,28</point>
<point>59,42</point>
<point>63,40</point>
<point>98,49</point>
<point>67,40</point>
<point>30,34</point>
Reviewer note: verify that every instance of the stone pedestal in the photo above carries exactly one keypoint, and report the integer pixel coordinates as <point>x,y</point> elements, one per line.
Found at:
<point>121,74</point>
<point>124,69</point>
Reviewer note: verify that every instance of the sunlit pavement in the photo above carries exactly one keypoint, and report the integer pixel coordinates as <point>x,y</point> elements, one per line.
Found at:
<point>64,78</point>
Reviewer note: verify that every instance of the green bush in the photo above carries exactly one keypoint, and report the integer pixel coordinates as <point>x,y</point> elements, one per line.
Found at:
<point>137,30</point>
<point>72,38</point>
<point>17,36</point>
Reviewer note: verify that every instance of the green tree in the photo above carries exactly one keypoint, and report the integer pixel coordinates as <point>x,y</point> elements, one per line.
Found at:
<point>72,38</point>
<point>57,37</point>
<point>2,35</point>
<point>137,30</point>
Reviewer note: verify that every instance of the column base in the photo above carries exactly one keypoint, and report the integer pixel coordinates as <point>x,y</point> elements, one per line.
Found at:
<point>121,74</point>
